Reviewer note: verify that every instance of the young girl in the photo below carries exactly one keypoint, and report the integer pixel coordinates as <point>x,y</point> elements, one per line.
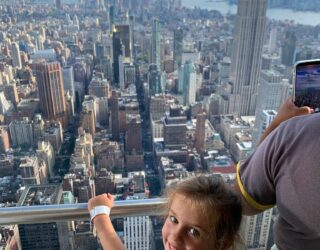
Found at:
<point>203,213</point>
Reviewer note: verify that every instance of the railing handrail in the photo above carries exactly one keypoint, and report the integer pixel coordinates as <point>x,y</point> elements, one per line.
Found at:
<point>79,211</point>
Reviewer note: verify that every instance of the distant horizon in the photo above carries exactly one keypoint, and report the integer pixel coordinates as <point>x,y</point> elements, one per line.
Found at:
<point>281,14</point>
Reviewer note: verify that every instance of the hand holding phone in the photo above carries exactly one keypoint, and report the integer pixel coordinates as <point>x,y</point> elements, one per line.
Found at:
<point>287,110</point>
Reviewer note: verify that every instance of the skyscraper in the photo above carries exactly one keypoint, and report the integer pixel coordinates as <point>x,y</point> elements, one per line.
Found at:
<point>175,131</point>
<point>181,87</point>
<point>120,47</point>
<point>11,93</point>
<point>21,132</point>
<point>111,18</point>
<point>132,49</point>
<point>255,230</point>
<point>288,49</point>
<point>116,53</point>
<point>59,4</point>
<point>4,140</point>
<point>123,33</point>
<point>88,121</point>
<point>68,80</point>
<point>272,46</point>
<point>263,121</point>
<point>45,152</point>
<point>121,72</point>
<point>138,233</point>
<point>246,61</point>
<point>51,92</point>
<point>155,45</point>
<point>133,133</point>
<point>190,83</point>
<point>30,170</point>
<point>200,132</point>
<point>99,87</point>
<point>16,60</point>
<point>273,90</point>
<point>115,123</point>
<point>177,47</point>
<point>52,235</point>
<point>154,79</point>
<point>5,105</point>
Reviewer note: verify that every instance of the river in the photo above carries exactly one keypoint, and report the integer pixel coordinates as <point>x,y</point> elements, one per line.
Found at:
<point>301,17</point>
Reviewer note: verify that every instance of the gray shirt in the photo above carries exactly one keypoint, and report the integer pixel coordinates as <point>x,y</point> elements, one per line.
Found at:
<point>285,170</point>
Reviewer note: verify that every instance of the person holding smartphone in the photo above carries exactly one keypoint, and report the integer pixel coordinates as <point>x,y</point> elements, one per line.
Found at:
<point>285,171</point>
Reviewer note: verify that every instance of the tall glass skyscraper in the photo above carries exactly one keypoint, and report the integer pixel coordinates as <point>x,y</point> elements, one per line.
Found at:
<point>132,48</point>
<point>155,47</point>
<point>246,60</point>
<point>154,79</point>
<point>177,47</point>
<point>120,46</point>
<point>111,18</point>
<point>288,49</point>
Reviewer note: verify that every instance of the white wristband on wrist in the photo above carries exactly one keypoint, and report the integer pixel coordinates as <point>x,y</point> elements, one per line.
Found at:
<point>99,210</point>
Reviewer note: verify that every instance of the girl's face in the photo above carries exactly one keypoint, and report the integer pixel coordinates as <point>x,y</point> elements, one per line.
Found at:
<point>186,228</point>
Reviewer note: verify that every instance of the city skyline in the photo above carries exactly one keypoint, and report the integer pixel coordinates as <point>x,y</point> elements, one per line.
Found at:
<point>128,97</point>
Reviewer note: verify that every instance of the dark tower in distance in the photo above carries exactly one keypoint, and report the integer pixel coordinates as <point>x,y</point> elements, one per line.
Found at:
<point>288,49</point>
<point>111,18</point>
<point>177,47</point>
<point>120,47</point>
<point>59,4</point>
<point>115,122</point>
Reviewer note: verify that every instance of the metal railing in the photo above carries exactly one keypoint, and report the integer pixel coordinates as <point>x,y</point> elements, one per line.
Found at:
<point>52,213</point>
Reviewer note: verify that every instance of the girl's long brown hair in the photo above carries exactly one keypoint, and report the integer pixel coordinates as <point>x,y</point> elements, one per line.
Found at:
<point>220,205</point>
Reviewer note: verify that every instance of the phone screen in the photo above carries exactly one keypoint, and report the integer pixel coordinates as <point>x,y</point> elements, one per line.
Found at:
<point>307,85</point>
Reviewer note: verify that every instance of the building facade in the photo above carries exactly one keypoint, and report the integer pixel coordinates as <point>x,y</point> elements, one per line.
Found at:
<point>4,140</point>
<point>138,233</point>
<point>177,47</point>
<point>155,45</point>
<point>21,132</point>
<point>246,60</point>
<point>51,92</point>
<point>16,60</point>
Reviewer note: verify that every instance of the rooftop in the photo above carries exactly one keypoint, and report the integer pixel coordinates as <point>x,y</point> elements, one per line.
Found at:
<point>245,145</point>
<point>40,195</point>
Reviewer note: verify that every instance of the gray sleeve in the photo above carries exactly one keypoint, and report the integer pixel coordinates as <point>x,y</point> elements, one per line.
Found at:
<point>255,176</point>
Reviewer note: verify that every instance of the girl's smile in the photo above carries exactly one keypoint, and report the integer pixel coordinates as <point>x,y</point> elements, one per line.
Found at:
<point>182,228</point>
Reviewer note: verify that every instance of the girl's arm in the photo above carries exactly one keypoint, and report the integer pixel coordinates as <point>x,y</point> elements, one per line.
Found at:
<point>106,233</point>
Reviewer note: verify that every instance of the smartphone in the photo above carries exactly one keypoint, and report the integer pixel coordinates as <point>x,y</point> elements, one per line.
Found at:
<point>306,79</point>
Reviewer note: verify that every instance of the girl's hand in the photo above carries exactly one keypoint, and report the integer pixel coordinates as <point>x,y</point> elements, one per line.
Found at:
<point>108,237</point>
<point>101,200</point>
